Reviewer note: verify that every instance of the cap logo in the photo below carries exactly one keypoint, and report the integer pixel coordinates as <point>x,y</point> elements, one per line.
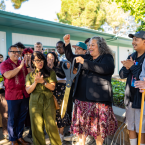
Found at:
<point>138,32</point>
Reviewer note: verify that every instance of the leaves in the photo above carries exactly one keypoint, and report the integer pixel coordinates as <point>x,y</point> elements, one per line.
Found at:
<point>136,8</point>
<point>2,5</point>
<point>93,14</point>
<point>17,3</point>
<point>118,92</point>
<point>84,13</point>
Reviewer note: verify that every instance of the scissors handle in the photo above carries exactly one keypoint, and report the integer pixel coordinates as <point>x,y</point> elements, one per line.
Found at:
<point>79,67</point>
<point>66,70</point>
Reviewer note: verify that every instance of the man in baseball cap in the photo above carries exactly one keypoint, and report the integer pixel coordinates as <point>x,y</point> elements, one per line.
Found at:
<point>131,69</point>
<point>138,40</point>
<point>80,48</point>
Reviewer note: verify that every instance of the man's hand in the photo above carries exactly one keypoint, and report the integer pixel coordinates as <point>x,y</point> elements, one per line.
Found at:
<point>79,59</point>
<point>39,78</point>
<point>22,63</point>
<point>66,39</point>
<point>128,63</point>
<point>140,85</point>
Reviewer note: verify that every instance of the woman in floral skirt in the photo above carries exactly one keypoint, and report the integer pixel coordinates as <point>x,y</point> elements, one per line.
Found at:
<point>93,114</point>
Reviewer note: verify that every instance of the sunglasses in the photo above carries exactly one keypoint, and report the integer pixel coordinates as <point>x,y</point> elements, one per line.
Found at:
<point>14,52</point>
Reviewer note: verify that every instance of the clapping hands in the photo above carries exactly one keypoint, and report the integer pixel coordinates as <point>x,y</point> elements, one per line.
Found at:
<point>39,78</point>
<point>128,63</point>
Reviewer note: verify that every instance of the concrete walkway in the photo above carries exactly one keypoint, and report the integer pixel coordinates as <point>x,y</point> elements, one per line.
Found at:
<point>6,142</point>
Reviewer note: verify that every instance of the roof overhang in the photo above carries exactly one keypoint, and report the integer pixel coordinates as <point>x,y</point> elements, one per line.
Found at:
<point>25,22</point>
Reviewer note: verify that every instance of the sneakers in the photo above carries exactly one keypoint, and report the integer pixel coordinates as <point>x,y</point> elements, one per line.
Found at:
<point>61,137</point>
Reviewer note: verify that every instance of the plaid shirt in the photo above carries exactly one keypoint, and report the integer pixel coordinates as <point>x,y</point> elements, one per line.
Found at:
<point>62,57</point>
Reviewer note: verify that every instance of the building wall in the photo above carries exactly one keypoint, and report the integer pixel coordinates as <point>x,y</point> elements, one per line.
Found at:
<point>114,50</point>
<point>123,54</point>
<point>31,39</point>
<point>3,44</point>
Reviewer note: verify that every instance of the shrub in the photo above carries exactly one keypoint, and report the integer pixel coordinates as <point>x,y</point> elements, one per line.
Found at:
<point>118,92</point>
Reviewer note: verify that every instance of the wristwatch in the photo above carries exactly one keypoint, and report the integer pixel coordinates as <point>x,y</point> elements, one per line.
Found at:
<point>44,83</point>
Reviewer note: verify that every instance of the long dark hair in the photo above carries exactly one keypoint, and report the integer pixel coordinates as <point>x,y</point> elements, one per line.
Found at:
<point>45,71</point>
<point>55,58</point>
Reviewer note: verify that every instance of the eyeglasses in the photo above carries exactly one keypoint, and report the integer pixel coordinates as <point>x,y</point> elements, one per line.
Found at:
<point>39,61</point>
<point>1,57</point>
<point>14,52</point>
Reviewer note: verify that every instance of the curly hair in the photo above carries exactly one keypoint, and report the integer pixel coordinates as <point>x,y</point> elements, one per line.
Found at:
<point>26,50</point>
<point>102,45</point>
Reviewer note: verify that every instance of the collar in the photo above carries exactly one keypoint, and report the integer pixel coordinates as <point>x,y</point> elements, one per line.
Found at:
<point>10,61</point>
<point>60,55</point>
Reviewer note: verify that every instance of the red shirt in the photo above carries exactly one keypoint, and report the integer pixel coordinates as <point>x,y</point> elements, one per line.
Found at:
<point>14,87</point>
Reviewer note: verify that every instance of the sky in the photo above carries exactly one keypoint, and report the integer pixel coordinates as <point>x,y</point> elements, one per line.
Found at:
<point>44,9</point>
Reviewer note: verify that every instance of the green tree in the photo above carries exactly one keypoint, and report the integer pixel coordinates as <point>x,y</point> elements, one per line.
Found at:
<point>17,3</point>
<point>2,5</point>
<point>93,14</point>
<point>84,13</point>
<point>136,8</point>
<point>115,17</point>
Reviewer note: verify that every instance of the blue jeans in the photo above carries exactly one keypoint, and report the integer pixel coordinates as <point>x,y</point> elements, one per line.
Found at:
<point>17,112</point>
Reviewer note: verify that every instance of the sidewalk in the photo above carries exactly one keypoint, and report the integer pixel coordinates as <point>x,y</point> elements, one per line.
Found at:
<point>68,140</point>
<point>6,142</point>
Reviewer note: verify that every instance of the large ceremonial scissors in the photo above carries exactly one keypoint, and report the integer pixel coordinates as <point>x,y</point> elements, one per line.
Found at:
<point>69,80</point>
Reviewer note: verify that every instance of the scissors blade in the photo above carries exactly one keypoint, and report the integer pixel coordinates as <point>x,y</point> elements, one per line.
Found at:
<point>65,102</point>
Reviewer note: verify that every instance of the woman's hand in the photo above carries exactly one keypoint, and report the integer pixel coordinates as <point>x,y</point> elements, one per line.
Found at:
<point>140,85</point>
<point>66,39</point>
<point>39,78</point>
<point>79,59</point>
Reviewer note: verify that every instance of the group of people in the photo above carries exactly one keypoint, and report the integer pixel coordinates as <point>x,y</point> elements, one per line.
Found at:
<point>32,81</point>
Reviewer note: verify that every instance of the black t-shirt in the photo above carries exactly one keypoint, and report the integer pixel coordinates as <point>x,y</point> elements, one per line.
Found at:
<point>133,89</point>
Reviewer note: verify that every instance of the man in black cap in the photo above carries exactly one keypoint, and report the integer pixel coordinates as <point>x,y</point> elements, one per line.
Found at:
<point>131,70</point>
